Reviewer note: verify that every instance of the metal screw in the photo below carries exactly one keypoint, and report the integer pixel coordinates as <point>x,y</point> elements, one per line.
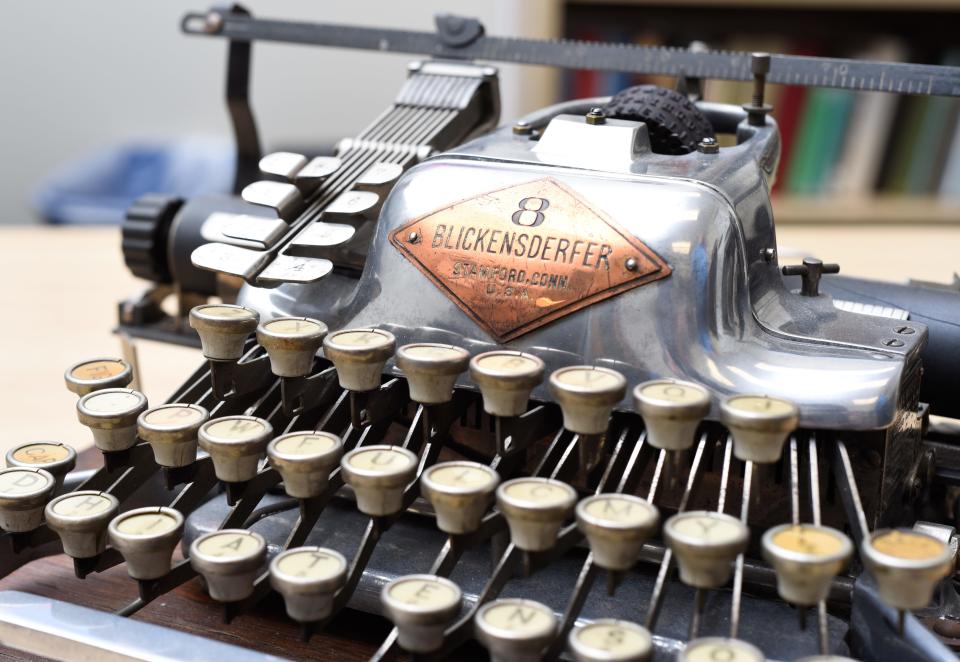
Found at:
<point>768,254</point>
<point>905,330</point>
<point>213,22</point>
<point>522,128</point>
<point>596,116</point>
<point>709,145</point>
<point>759,67</point>
<point>414,237</point>
<point>631,264</point>
<point>893,342</point>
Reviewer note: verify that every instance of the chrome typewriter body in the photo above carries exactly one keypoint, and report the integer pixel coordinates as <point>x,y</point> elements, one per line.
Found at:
<point>542,387</point>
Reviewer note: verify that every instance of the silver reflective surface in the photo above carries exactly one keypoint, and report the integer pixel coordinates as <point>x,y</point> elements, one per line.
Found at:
<point>723,318</point>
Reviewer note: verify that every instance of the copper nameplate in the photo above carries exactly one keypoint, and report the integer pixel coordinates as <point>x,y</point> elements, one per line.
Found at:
<point>523,256</point>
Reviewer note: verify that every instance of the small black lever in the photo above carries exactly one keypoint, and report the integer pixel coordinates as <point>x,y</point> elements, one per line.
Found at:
<point>458,31</point>
<point>810,271</point>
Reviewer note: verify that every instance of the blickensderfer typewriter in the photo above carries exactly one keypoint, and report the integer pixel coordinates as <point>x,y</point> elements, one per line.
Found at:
<point>538,391</point>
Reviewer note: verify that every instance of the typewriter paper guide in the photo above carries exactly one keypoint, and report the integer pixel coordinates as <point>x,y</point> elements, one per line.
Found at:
<point>523,256</point>
<point>698,323</point>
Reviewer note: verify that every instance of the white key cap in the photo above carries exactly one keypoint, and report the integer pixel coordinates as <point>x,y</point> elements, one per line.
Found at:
<point>146,537</point>
<point>535,509</point>
<point>289,269</point>
<point>223,329</point>
<point>587,396</point>
<point>378,476</point>
<point>351,205</point>
<point>317,170</point>
<point>291,343</point>
<point>308,579</point>
<point>229,561</point>
<point>505,379</point>
<point>81,520</point>
<point>111,414</point>
<point>55,458</point>
<point>616,526</point>
<point>515,630</point>
<point>282,165</point>
<point>431,370</point>
<point>305,460</point>
<point>171,430</point>
<point>23,494</point>
<point>705,544</point>
<point>243,230</point>
<point>359,356</point>
<point>610,640</point>
<point>235,444</point>
<point>671,411</point>
<point>759,424</point>
<point>460,492</point>
<point>285,199</point>
<point>421,606</point>
<point>709,649</point>
<point>231,260</point>
<point>321,234</point>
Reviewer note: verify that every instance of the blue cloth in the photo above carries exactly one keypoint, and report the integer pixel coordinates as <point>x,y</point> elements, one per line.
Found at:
<point>98,187</point>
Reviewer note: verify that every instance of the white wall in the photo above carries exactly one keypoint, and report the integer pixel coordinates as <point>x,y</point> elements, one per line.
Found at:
<point>78,75</point>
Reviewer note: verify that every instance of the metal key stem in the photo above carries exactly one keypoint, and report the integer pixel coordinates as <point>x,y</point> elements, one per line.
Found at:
<point>748,472</point>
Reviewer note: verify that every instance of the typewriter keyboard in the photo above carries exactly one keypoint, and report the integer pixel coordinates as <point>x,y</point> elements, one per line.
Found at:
<point>369,480</point>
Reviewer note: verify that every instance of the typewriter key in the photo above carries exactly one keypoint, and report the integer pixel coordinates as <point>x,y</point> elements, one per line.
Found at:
<point>610,640</point>
<point>378,476</point>
<point>292,344</point>
<point>806,558</point>
<point>55,458</point>
<point>81,519</point>
<point>229,561</point>
<point>351,206</point>
<point>759,425</point>
<point>535,509</point>
<point>826,658</point>
<point>432,370</point>
<point>421,606</point>
<point>235,444</point>
<point>95,374</point>
<point>318,169</point>
<point>23,494</point>
<point>671,411</point>
<point>304,461</point>
<point>460,493</point>
<point>380,177</point>
<point>223,329</point>
<point>171,430</point>
<point>587,396</point>
<point>705,544</point>
<point>616,526</point>
<point>282,166</point>
<point>285,199</point>
<point>146,537</point>
<point>111,414</point>
<point>359,356</point>
<point>505,379</point>
<point>308,578</point>
<point>515,630</point>
<point>712,649</point>
<point>907,566</point>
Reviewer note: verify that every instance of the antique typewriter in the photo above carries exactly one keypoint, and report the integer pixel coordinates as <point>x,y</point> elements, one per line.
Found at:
<point>539,392</point>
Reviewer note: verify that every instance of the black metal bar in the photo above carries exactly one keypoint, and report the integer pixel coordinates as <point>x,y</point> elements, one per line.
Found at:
<point>628,58</point>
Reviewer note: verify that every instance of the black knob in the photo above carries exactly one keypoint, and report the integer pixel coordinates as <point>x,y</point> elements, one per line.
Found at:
<point>810,272</point>
<point>145,230</point>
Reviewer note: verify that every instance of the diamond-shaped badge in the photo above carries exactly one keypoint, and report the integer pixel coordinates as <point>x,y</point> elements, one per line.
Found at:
<point>523,256</point>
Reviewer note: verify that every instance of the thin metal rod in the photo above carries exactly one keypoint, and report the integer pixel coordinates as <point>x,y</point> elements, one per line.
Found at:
<point>748,471</point>
<point>657,472</point>
<point>656,598</point>
<point>794,482</point>
<point>725,474</point>
<point>699,601</point>
<point>814,478</point>
<point>847,484</point>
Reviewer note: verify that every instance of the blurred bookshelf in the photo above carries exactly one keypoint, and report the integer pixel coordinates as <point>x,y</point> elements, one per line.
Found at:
<point>848,157</point>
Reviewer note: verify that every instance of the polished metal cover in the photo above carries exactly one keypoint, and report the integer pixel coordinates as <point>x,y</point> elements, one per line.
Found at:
<point>723,317</point>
